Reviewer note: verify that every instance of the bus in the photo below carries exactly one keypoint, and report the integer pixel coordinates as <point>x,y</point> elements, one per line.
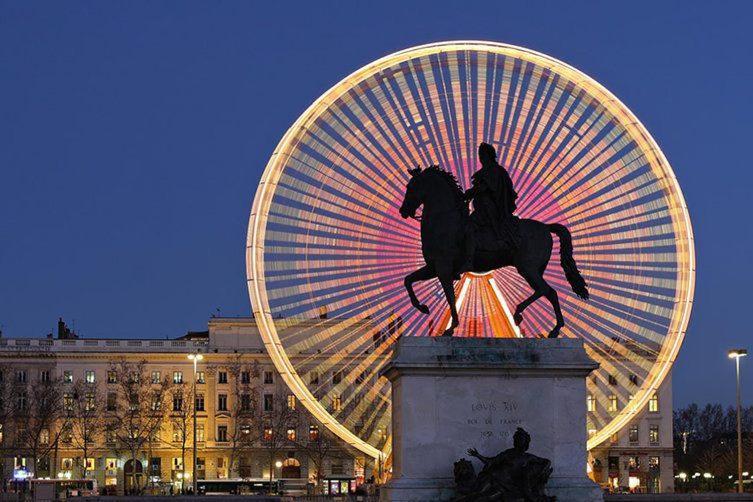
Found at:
<point>248,486</point>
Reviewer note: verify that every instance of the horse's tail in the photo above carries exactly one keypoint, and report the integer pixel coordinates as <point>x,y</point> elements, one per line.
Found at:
<point>577,282</point>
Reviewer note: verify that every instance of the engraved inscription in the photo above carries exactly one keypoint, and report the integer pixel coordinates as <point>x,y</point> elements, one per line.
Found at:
<point>494,419</point>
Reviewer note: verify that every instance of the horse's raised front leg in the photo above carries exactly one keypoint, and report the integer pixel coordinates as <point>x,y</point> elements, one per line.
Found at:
<point>445,278</point>
<point>422,274</point>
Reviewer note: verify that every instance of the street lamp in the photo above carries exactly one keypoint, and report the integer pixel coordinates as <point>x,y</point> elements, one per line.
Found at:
<point>195,358</point>
<point>736,354</point>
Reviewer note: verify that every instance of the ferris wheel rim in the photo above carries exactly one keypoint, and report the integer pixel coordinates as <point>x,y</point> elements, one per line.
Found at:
<point>257,228</point>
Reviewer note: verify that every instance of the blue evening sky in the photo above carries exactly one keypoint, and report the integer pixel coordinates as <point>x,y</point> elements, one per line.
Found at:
<point>133,134</point>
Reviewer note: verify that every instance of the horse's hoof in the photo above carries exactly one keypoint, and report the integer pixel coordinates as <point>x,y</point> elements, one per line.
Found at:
<point>422,308</point>
<point>448,332</point>
<point>518,318</point>
<point>554,333</point>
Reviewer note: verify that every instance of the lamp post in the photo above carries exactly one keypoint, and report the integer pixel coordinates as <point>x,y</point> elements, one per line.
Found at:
<point>736,354</point>
<point>195,358</point>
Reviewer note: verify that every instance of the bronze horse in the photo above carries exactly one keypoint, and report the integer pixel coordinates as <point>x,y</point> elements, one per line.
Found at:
<point>444,222</point>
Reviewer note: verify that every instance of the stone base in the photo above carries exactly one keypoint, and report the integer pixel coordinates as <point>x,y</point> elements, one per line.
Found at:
<point>417,490</point>
<point>451,394</point>
<point>579,489</point>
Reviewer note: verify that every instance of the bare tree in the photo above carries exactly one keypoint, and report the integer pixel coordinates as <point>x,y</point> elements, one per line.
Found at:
<point>244,408</point>
<point>180,418</point>
<point>39,416</point>
<point>86,417</point>
<point>139,411</point>
<point>278,416</point>
<point>7,411</point>
<point>318,446</point>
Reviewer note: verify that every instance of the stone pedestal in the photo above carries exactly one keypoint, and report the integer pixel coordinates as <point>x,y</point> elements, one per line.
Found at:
<point>451,394</point>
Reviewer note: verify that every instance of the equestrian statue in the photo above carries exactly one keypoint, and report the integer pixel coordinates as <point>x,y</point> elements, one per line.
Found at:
<point>455,241</point>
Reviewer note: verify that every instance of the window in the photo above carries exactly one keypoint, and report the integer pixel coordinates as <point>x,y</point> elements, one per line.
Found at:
<point>66,434</point>
<point>613,464</point>
<point>612,380</point>
<point>267,433</point>
<point>177,433</point>
<point>90,401</point>
<point>269,402</point>
<point>111,466</point>
<point>614,438</point>
<point>68,401</point>
<point>653,463</point>
<point>291,434</point>
<point>291,401</point>
<point>155,466</point>
<point>135,377</point>
<point>590,403</point>
<point>653,434</point>
<point>112,399</point>
<point>245,377</point>
<point>199,402</point>
<point>200,377</point>
<point>177,464</point>
<point>221,402</point>
<point>633,434</point>
<point>44,436</point>
<point>200,433</point>
<point>44,376</point>
<point>337,377</point>
<point>112,377</point>
<point>89,376</point>
<point>313,432</point>
<point>21,376</point>
<point>653,403</point>
<point>633,379</point>
<point>314,378</point>
<point>612,403</point>
<point>268,377</point>
<point>66,464</point>
<point>177,403</point>
<point>68,376</point>
<point>89,464</point>
<point>21,401</point>
<point>634,462</point>
<point>1,433</point>
<point>222,377</point>
<point>110,436</point>
<point>156,377</point>
<point>337,403</point>
<point>177,377</point>
<point>156,403</point>
<point>222,433</point>
<point>245,402</point>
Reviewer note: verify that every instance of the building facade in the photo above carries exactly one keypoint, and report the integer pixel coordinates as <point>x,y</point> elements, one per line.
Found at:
<point>241,431</point>
<point>234,379</point>
<point>639,458</point>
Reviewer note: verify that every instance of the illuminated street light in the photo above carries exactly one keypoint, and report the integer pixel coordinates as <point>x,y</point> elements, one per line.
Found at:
<point>195,358</point>
<point>736,354</point>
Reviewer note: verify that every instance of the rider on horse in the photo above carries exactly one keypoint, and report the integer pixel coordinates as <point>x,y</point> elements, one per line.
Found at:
<point>493,225</point>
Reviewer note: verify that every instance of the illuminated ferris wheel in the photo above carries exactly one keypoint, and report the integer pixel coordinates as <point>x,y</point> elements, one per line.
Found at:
<point>327,250</point>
